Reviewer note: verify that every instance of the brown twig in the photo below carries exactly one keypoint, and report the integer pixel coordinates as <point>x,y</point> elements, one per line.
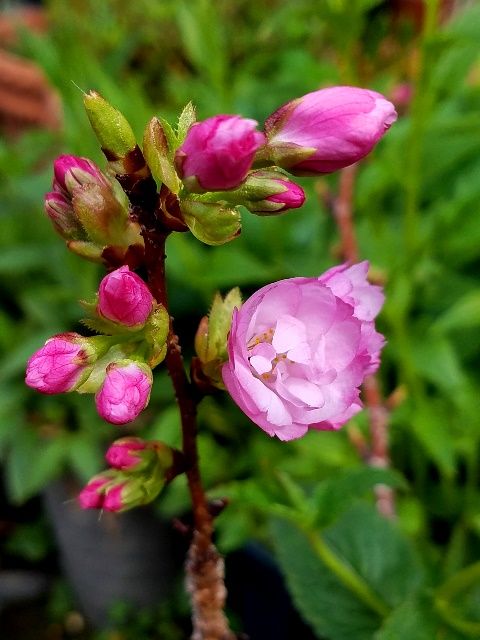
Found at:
<point>377,454</point>
<point>204,566</point>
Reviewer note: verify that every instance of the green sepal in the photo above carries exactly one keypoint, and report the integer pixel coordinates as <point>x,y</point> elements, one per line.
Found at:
<point>112,129</point>
<point>156,333</point>
<point>212,334</point>
<point>282,154</point>
<point>185,121</point>
<point>84,249</point>
<point>104,217</point>
<point>97,374</point>
<point>158,149</point>
<point>211,223</point>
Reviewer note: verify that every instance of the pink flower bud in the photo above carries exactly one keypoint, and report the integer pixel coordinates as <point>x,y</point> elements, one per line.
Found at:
<point>123,297</point>
<point>300,348</point>
<point>92,495</point>
<point>125,392</point>
<point>71,172</point>
<point>59,365</point>
<point>327,130</point>
<point>292,198</point>
<point>113,498</point>
<point>218,153</point>
<point>121,454</point>
<point>59,209</point>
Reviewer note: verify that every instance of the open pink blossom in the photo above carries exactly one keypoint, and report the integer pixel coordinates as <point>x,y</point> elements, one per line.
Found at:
<point>218,153</point>
<point>300,348</point>
<point>59,365</point>
<point>125,392</point>
<point>123,297</point>
<point>327,130</point>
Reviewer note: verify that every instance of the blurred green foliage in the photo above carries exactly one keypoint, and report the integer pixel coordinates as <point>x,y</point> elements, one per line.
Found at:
<point>352,575</point>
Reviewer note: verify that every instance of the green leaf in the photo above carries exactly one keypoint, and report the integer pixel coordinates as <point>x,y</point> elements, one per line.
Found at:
<point>345,580</point>
<point>432,429</point>
<point>413,619</point>
<point>464,314</point>
<point>85,455</point>
<point>336,494</point>
<point>33,463</point>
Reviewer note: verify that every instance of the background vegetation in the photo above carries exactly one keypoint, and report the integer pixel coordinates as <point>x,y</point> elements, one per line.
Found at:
<point>310,503</point>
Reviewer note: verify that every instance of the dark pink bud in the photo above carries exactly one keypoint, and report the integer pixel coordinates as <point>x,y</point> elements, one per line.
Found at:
<point>292,198</point>
<point>121,454</point>
<point>125,392</point>
<point>59,365</point>
<point>59,209</point>
<point>71,172</point>
<point>113,498</point>
<point>92,495</point>
<point>123,297</point>
<point>327,130</point>
<point>218,153</point>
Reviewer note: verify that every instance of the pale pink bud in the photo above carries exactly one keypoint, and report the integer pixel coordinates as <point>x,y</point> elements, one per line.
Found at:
<point>125,392</point>
<point>121,454</point>
<point>123,297</point>
<point>59,209</point>
<point>92,495</point>
<point>59,365</point>
<point>71,172</point>
<point>300,348</point>
<point>218,153</point>
<point>327,130</point>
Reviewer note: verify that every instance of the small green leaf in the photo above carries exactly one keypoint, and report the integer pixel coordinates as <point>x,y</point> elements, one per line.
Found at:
<point>185,121</point>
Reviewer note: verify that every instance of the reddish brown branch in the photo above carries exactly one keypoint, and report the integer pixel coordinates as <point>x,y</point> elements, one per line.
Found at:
<point>343,213</point>
<point>376,454</point>
<point>204,566</point>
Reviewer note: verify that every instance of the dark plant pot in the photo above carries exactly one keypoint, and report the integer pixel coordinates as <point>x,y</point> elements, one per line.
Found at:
<point>110,558</point>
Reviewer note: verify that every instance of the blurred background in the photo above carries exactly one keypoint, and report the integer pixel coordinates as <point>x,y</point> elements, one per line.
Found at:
<point>415,207</point>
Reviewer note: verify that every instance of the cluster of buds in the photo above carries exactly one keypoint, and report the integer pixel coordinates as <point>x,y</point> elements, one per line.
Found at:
<point>138,471</point>
<point>117,365</point>
<point>218,160</point>
<point>91,212</point>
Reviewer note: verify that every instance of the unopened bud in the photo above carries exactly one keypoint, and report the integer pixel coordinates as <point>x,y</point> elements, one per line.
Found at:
<point>92,495</point>
<point>125,391</point>
<point>104,216</point>
<point>129,454</point>
<point>326,130</point>
<point>159,152</point>
<point>71,172</point>
<point>211,223</point>
<point>124,298</point>
<point>267,193</point>
<point>112,129</point>
<point>60,211</point>
<point>212,333</point>
<point>64,362</point>
<point>217,153</point>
